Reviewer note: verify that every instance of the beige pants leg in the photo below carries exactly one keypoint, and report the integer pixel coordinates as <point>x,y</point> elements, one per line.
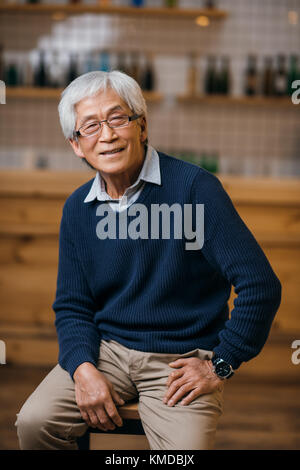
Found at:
<point>50,418</point>
<point>179,427</point>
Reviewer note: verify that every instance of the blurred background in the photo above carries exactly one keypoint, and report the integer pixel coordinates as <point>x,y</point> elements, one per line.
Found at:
<point>222,84</point>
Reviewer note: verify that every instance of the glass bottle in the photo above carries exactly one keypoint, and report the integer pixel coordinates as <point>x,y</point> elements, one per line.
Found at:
<point>121,62</point>
<point>137,3</point>
<point>89,63</point>
<point>224,77</point>
<point>134,68</point>
<point>72,70</point>
<point>210,78</point>
<point>42,162</point>
<point>148,77</point>
<point>104,64</point>
<point>213,162</point>
<point>11,74</point>
<point>28,72</point>
<point>293,74</point>
<point>40,76</point>
<point>55,71</point>
<point>192,75</point>
<point>280,80</point>
<point>171,3</point>
<point>210,4</point>
<point>251,76</point>
<point>203,161</point>
<point>268,77</point>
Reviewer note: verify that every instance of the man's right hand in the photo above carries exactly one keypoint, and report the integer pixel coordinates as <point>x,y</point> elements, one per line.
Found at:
<point>96,398</point>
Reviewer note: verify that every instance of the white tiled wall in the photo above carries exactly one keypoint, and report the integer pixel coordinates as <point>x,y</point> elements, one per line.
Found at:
<point>248,139</point>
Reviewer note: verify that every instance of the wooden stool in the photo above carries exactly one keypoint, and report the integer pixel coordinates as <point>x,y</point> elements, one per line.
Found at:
<point>130,436</point>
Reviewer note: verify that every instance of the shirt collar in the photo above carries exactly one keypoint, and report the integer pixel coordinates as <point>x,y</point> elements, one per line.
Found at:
<point>150,173</point>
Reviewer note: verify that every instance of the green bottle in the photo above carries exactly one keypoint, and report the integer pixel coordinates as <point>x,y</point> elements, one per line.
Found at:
<point>210,79</point>
<point>251,76</point>
<point>223,86</point>
<point>293,74</point>
<point>268,77</point>
<point>171,3</point>
<point>203,161</point>
<point>11,75</point>
<point>214,163</point>
<point>210,162</point>
<point>280,81</point>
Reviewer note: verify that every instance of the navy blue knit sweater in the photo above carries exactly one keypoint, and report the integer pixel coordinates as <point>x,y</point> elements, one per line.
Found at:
<point>155,295</point>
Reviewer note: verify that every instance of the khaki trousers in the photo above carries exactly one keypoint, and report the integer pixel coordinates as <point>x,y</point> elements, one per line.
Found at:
<point>50,418</point>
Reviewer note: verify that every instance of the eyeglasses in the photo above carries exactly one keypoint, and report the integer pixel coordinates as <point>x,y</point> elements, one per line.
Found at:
<point>93,128</point>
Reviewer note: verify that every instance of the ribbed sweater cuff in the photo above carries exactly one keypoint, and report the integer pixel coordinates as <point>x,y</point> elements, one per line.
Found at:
<point>76,359</point>
<point>227,356</point>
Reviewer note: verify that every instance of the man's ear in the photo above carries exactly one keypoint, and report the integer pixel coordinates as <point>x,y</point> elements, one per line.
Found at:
<point>144,129</point>
<point>76,147</point>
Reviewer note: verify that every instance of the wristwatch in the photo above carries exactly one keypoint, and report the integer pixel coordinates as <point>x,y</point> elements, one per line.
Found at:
<point>221,368</point>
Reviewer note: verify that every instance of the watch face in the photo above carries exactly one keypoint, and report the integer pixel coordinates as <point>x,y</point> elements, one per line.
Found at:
<point>223,369</point>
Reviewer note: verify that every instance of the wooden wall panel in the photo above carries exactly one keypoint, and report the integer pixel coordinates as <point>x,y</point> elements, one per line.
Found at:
<point>29,250</point>
<point>286,263</point>
<point>271,220</point>
<point>38,352</point>
<point>27,293</point>
<point>30,210</point>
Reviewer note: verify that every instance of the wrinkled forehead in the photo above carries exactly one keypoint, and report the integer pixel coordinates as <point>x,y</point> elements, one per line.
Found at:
<point>99,106</point>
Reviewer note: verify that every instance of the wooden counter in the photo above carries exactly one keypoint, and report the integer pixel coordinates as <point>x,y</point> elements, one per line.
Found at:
<point>30,211</point>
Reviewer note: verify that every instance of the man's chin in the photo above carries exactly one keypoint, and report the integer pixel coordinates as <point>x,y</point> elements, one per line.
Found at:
<point>109,168</point>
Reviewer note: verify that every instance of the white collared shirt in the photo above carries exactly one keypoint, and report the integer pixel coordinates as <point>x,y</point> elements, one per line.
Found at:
<point>150,172</point>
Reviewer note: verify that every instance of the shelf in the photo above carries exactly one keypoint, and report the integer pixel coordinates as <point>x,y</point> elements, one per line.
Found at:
<point>54,93</point>
<point>33,93</point>
<point>164,12</point>
<point>239,100</point>
<point>155,97</point>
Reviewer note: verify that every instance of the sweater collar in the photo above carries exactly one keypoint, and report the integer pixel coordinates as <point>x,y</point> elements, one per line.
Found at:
<point>150,173</point>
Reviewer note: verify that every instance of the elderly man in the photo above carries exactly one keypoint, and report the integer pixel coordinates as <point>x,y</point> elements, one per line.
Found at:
<point>140,315</point>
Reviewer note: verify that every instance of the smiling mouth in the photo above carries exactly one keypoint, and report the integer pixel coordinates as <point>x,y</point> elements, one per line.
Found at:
<point>112,152</point>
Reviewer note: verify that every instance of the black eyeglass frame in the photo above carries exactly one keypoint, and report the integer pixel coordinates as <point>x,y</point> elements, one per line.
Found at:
<point>130,118</point>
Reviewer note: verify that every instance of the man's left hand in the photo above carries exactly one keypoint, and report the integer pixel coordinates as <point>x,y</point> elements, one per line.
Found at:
<point>192,378</point>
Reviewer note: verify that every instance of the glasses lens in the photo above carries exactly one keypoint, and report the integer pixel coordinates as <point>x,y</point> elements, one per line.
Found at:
<point>118,121</point>
<point>90,129</point>
<point>93,127</point>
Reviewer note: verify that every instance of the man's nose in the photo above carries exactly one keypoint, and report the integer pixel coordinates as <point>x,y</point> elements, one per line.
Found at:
<point>106,132</point>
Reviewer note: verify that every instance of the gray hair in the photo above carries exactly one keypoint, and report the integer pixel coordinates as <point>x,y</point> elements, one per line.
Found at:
<point>91,83</point>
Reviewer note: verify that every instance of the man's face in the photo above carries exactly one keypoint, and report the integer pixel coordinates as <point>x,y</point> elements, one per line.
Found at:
<point>129,140</point>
